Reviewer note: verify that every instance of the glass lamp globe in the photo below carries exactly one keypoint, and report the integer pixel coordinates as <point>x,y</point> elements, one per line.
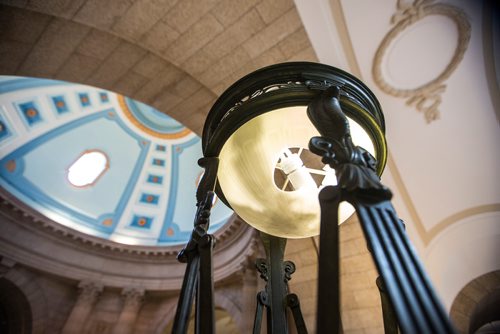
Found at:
<point>260,131</point>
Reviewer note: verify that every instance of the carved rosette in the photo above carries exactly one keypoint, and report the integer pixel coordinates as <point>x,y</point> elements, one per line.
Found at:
<point>427,97</point>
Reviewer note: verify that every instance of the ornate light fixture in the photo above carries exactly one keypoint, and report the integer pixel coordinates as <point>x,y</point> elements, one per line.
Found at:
<point>259,128</point>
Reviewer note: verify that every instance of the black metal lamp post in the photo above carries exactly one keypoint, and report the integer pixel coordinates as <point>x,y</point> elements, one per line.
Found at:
<point>258,128</point>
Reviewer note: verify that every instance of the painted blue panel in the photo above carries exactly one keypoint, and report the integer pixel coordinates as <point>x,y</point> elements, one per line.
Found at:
<point>30,112</point>
<point>141,222</point>
<point>84,99</point>
<point>178,222</point>
<point>179,218</point>
<point>60,104</point>
<point>149,199</point>
<point>30,172</point>
<point>155,179</point>
<point>158,162</point>
<point>103,96</point>
<point>43,181</point>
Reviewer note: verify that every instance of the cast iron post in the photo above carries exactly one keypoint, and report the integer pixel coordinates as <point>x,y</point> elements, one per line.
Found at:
<point>417,307</point>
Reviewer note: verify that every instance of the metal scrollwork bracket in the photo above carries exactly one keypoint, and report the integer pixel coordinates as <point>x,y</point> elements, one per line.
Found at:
<point>197,254</point>
<point>276,298</point>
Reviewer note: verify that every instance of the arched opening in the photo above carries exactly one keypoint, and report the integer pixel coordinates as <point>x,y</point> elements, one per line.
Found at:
<point>475,308</point>
<point>15,310</point>
<point>486,318</point>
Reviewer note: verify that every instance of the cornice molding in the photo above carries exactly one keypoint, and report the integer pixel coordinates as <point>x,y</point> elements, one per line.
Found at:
<point>32,240</point>
<point>32,219</point>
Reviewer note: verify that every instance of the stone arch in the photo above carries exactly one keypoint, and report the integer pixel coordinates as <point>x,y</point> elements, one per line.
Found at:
<point>32,293</point>
<point>46,46</point>
<point>15,310</point>
<point>223,301</point>
<point>470,296</point>
<point>162,315</point>
<point>164,318</point>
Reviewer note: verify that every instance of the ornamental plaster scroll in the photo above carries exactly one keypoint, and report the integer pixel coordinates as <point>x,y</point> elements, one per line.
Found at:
<point>427,97</point>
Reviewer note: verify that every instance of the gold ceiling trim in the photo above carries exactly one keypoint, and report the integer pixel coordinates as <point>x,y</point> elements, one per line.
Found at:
<point>427,97</point>
<point>345,39</point>
<point>130,116</point>
<point>341,25</point>
<point>461,215</point>
<point>405,195</point>
<point>428,235</point>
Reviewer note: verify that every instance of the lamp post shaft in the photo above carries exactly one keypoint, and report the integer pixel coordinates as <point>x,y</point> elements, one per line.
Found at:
<point>197,254</point>
<point>417,307</point>
<point>415,304</point>
<point>328,305</point>
<point>276,284</point>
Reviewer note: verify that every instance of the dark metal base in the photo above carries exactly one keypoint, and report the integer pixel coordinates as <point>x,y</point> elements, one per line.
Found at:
<point>276,298</point>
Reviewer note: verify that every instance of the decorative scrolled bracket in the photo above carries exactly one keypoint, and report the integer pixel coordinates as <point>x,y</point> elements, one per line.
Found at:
<point>262,267</point>
<point>275,297</point>
<point>409,291</point>
<point>354,166</point>
<point>288,270</point>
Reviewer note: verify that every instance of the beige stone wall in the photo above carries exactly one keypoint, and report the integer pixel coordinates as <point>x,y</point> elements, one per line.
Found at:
<point>177,56</point>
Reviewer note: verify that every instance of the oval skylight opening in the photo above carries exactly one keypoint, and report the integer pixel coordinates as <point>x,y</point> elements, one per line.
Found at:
<point>87,168</point>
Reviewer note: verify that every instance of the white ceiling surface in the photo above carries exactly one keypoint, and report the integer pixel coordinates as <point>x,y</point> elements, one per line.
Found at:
<point>449,166</point>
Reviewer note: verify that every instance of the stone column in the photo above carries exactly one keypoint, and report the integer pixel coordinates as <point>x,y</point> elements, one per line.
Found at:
<point>89,293</point>
<point>133,298</point>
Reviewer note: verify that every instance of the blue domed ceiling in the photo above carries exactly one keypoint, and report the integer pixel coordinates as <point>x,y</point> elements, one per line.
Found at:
<point>144,194</point>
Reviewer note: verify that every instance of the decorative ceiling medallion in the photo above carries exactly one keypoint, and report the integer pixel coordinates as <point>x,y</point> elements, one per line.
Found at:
<point>427,97</point>
<point>131,117</point>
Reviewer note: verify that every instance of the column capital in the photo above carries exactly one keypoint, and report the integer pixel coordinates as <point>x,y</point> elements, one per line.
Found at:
<point>89,291</point>
<point>133,296</point>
